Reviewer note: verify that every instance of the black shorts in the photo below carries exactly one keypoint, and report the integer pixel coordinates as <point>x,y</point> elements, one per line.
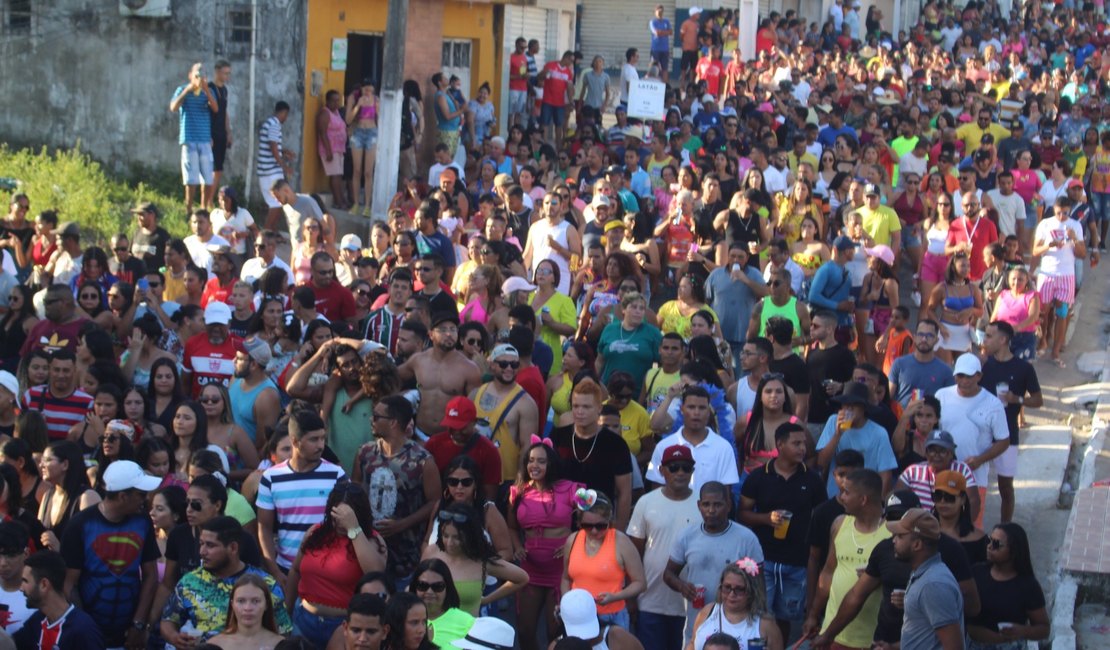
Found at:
<point>219,152</point>
<point>689,60</point>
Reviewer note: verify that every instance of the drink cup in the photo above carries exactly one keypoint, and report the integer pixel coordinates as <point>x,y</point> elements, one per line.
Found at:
<point>1001,387</point>
<point>1004,626</point>
<point>898,598</point>
<point>783,526</point>
<point>699,596</point>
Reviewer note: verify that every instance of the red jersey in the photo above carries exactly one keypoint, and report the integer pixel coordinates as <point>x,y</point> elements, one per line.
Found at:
<point>710,71</point>
<point>980,234</point>
<point>335,302</point>
<point>518,72</point>
<point>480,449</point>
<point>214,291</point>
<point>210,364</point>
<point>555,84</point>
<point>531,380</point>
<point>764,41</point>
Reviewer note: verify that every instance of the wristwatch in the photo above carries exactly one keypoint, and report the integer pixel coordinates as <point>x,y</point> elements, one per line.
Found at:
<point>140,625</point>
<point>354,532</point>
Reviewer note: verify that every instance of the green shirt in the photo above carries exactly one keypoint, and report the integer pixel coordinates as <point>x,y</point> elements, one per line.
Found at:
<point>348,432</point>
<point>633,352</point>
<point>451,626</point>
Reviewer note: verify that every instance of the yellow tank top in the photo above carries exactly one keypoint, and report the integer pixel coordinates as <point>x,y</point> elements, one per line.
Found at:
<point>502,437</point>
<point>853,549</point>
<point>174,287</point>
<point>560,399</point>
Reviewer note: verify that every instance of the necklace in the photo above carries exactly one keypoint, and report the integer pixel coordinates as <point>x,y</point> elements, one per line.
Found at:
<point>574,447</point>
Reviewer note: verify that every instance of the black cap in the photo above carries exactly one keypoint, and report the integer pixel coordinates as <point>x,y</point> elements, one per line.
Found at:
<point>854,393</point>
<point>443,317</point>
<point>614,169</point>
<point>899,502</point>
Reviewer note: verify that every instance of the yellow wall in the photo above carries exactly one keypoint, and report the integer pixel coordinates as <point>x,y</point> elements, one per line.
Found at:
<point>328,19</point>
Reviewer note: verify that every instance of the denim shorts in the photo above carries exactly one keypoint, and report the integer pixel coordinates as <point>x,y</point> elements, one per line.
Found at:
<point>909,239</point>
<point>786,590</point>
<point>620,619</point>
<point>364,138</point>
<point>196,163</point>
<point>317,629</point>
<point>552,114</point>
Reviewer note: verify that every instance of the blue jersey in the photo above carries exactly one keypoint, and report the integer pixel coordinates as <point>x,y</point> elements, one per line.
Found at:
<point>196,117</point>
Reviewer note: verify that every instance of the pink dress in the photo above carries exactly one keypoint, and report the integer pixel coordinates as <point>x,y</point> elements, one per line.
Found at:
<point>337,137</point>
<point>537,510</point>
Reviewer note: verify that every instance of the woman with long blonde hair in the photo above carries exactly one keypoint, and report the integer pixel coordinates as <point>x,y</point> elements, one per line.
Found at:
<point>251,622</point>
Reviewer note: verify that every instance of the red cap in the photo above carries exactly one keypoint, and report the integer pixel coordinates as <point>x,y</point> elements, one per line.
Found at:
<point>460,414</point>
<point>1075,182</point>
<point>677,453</point>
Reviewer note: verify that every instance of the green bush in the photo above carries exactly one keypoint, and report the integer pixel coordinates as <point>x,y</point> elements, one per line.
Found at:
<point>71,182</point>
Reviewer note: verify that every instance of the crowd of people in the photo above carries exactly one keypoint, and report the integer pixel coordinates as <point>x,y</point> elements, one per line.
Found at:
<point>729,379</point>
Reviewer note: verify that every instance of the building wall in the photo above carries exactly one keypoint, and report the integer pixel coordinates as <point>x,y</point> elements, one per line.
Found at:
<point>84,74</point>
<point>429,22</point>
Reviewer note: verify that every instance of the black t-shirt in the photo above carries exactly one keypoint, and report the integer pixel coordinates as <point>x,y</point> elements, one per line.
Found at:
<point>836,363</point>
<point>219,118</point>
<point>595,465</point>
<point>151,249</point>
<point>800,494</point>
<point>182,547</point>
<point>442,303</point>
<point>1005,602</point>
<point>239,327</point>
<point>1022,378</point>
<point>820,527</point>
<point>24,236</point>
<point>895,574</point>
<point>130,271</point>
<point>793,369</point>
<point>881,415</point>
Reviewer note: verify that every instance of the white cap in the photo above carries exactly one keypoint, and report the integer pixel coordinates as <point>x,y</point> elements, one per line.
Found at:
<point>350,242</point>
<point>967,364</point>
<point>695,10</point>
<point>516,283</point>
<point>126,475</point>
<point>488,633</point>
<point>217,313</point>
<point>8,380</point>
<point>579,613</point>
<point>504,350</point>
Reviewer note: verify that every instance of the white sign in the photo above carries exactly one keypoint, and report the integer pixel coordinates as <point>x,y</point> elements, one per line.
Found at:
<point>338,54</point>
<point>646,99</point>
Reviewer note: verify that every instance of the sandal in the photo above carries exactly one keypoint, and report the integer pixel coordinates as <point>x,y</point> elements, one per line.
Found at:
<point>1059,363</point>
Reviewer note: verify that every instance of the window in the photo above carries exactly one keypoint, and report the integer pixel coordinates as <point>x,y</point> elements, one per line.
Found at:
<point>456,54</point>
<point>240,22</point>
<point>238,29</point>
<point>19,14</point>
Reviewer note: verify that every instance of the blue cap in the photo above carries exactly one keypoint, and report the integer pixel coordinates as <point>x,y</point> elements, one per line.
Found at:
<point>843,243</point>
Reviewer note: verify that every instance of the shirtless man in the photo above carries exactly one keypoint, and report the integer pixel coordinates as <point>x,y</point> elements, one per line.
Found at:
<point>441,372</point>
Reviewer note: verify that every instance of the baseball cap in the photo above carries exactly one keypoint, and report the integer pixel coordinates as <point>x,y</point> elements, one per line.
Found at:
<point>579,613</point>
<point>940,438</point>
<point>982,155</point>
<point>854,393</point>
<point>127,475</point>
<point>1075,182</point>
<point>967,364</point>
<point>256,349</point>
<point>708,97</point>
<point>899,502</point>
<point>351,242</point>
<point>460,413</point>
<point>217,313</point>
<point>145,206</point>
<point>918,522</point>
<point>443,317</point>
<point>843,243</point>
<point>950,482</point>
<point>881,251</point>
<point>122,427</point>
<point>488,633</point>
<point>613,225</point>
<point>695,10</point>
<point>218,249</point>
<point>870,190</point>
<point>614,169</point>
<point>8,381</point>
<point>516,283</point>
<point>69,229</point>
<point>504,350</point>
<point>600,200</point>
<point>678,453</point>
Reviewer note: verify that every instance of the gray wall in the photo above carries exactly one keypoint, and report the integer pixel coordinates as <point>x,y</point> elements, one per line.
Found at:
<point>83,73</point>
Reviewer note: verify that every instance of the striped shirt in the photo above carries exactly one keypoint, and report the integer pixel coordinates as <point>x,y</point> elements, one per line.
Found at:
<point>920,478</point>
<point>383,326</point>
<point>196,117</point>
<point>61,413</point>
<point>299,500</point>
<point>269,133</point>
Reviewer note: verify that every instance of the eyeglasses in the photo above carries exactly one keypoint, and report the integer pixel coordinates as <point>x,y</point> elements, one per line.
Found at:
<point>210,400</point>
<point>51,301</point>
<point>437,587</point>
<point>457,517</point>
<point>926,335</point>
<point>599,526</point>
<point>447,330</point>
<point>456,482</point>
<point>995,544</point>
<point>944,497</point>
<point>196,505</point>
<point>943,204</point>
<point>325,272</point>
<point>731,590</point>
<point>112,439</point>
<point>425,269</point>
<point>680,467</point>
<point>312,227</point>
<point>379,416</point>
<point>508,364</point>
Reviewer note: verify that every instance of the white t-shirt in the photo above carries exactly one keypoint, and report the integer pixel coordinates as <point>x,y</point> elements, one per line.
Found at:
<point>975,423</point>
<point>237,227</point>
<point>18,612</point>
<point>198,250</point>
<point>714,460</point>
<point>774,180</point>
<point>628,75</point>
<point>1058,261</point>
<point>659,521</point>
<point>1010,208</point>
<point>256,266</point>
<point>911,163</point>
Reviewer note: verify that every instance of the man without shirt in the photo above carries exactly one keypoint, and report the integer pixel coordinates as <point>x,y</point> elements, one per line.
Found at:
<point>442,372</point>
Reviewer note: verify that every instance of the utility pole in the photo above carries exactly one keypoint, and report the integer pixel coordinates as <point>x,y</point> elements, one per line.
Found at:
<point>392,103</point>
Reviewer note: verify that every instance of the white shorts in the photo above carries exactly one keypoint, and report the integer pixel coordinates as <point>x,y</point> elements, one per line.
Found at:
<point>958,339</point>
<point>264,184</point>
<point>1006,463</point>
<point>518,101</point>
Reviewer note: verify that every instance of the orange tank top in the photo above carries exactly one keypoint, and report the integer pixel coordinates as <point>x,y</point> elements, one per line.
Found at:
<point>601,573</point>
<point>894,347</point>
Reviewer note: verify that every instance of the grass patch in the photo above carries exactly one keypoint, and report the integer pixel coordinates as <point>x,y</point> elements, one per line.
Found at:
<point>77,187</point>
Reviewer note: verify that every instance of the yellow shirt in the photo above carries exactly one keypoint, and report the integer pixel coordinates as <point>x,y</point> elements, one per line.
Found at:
<point>853,549</point>
<point>635,426</point>
<point>880,223</point>
<point>972,135</point>
<point>174,289</point>
<point>672,320</point>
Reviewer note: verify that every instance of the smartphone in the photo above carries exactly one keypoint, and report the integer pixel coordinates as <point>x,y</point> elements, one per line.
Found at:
<point>143,284</point>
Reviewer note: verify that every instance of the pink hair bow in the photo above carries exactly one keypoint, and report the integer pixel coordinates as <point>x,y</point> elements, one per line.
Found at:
<point>536,440</point>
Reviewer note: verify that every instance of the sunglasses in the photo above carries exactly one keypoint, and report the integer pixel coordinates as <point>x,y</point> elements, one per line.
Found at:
<point>90,296</point>
<point>109,439</point>
<point>729,589</point>
<point>995,544</point>
<point>599,526</point>
<point>424,269</point>
<point>456,482</point>
<point>680,467</point>
<point>196,505</point>
<point>508,364</point>
<point>470,341</point>
<point>437,587</point>
<point>210,400</point>
<point>457,517</point>
<point>944,497</point>
<point>120,249</point>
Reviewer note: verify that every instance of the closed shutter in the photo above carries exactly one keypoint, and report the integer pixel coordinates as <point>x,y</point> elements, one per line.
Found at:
<point>765,9</point>
<point>601,19</point>
<point>531,23</point>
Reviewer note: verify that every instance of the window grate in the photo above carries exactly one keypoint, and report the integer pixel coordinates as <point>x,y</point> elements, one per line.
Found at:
<point>19,15</point>
<point>240,22</point>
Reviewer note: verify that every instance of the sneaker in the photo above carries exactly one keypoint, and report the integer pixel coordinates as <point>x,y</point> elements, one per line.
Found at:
<point>916,298</point>
<point>366,211</point>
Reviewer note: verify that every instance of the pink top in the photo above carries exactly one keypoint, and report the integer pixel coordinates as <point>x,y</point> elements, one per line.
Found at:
<point>474,311</point>
<point>337,133</point>
<point>1013,309</point>
<point>1026,183</point>
<point>552,508</point>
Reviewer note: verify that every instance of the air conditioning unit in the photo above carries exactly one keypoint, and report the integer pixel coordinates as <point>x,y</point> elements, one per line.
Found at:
<point>145,8</point>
